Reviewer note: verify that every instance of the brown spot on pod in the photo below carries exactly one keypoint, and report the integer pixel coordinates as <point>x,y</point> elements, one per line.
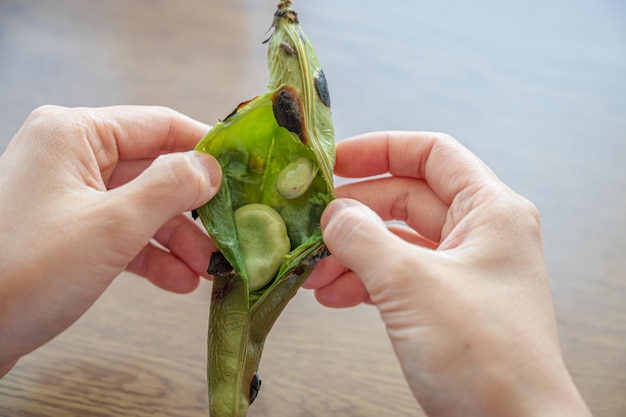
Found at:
<point>321,86</point>
<point>287,49</point>
<point>239,107</point>
<point>284,11</point>
<point>289,111</point>
<point>219,265</point>
<point>220,292</point>
<point>255,387</point>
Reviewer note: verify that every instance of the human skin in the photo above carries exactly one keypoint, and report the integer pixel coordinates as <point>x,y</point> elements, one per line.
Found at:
<point>84,194</point>
<point>462,288</point>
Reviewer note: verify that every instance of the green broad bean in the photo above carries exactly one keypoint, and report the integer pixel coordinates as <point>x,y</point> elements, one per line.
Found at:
<point>264,242</point>
<point>295,179</point>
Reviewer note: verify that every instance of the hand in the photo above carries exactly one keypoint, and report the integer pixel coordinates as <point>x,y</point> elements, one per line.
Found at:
<point>83,192</point>
<point>463,290</point>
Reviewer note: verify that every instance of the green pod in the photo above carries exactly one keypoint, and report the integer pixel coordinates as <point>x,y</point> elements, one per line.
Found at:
<point>276,152</point>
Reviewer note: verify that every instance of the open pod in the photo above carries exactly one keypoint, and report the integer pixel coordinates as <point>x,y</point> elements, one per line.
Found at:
<point>277,153</point>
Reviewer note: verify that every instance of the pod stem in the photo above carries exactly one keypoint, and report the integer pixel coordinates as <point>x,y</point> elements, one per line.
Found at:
<point>237,333</point>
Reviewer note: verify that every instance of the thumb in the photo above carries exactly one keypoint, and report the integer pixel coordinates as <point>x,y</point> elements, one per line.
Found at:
<point>359,239</point>
<point>172,184</point>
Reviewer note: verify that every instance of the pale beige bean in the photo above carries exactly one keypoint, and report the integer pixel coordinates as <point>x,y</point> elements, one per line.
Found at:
<point>295,179</point>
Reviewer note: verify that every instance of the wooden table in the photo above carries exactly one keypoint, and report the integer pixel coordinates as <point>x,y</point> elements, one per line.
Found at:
<point>535,89</point>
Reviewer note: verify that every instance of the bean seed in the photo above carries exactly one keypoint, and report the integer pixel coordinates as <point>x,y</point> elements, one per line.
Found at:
<point>295,179</point>
<point>263,240</point>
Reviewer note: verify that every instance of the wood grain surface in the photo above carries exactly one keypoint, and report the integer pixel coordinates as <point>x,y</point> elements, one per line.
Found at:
<point>536,89</point>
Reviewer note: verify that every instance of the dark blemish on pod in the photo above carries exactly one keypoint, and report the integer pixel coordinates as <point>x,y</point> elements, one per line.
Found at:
<point>287,49</point>
<point>239,107</point>
<point>219,265</point>
<point>255,387</point>
<point>310,262</point>
<point>194,214</point>
<point>221,292</point>
<point>284,11</point>
<point>323,254</point>
<point>321,85</point>
<point>289,111</point>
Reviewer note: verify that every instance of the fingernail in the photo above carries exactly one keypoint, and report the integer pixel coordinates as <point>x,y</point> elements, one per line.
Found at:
<point>211,166</point>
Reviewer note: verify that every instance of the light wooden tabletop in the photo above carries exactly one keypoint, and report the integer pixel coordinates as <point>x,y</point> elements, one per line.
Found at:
<point>536,89</point>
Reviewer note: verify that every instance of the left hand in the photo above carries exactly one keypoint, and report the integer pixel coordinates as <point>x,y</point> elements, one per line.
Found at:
<point>84,191</point>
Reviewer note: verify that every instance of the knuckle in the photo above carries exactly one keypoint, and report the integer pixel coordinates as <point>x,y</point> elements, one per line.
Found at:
<point>50,125</point>
<point>529,214</point>
<point>44,118</point>
<point>46,112</point>
<point>444,137</point>
<point>517,213</point>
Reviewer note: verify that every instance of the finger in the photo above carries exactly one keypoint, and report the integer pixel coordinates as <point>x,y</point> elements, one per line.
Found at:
<point>127,170</point>
<point>360,241</point>
<point>401,198</point>
<point>347,290</point>
<point>138,132</point>
<point>329,270</point>
<point>173,184</point>
<point>184,239</point>
<point>409,235</point>
<point>145,131</point>
<point>325,272</point>
<point>121,132</point>
<point>164,270</point>
<point>444,163</point>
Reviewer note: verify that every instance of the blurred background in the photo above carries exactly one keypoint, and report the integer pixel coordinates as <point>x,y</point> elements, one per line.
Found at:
<point>535,88</point>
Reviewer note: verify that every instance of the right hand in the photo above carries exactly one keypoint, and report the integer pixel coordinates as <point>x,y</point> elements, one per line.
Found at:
<point>463,290</point>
